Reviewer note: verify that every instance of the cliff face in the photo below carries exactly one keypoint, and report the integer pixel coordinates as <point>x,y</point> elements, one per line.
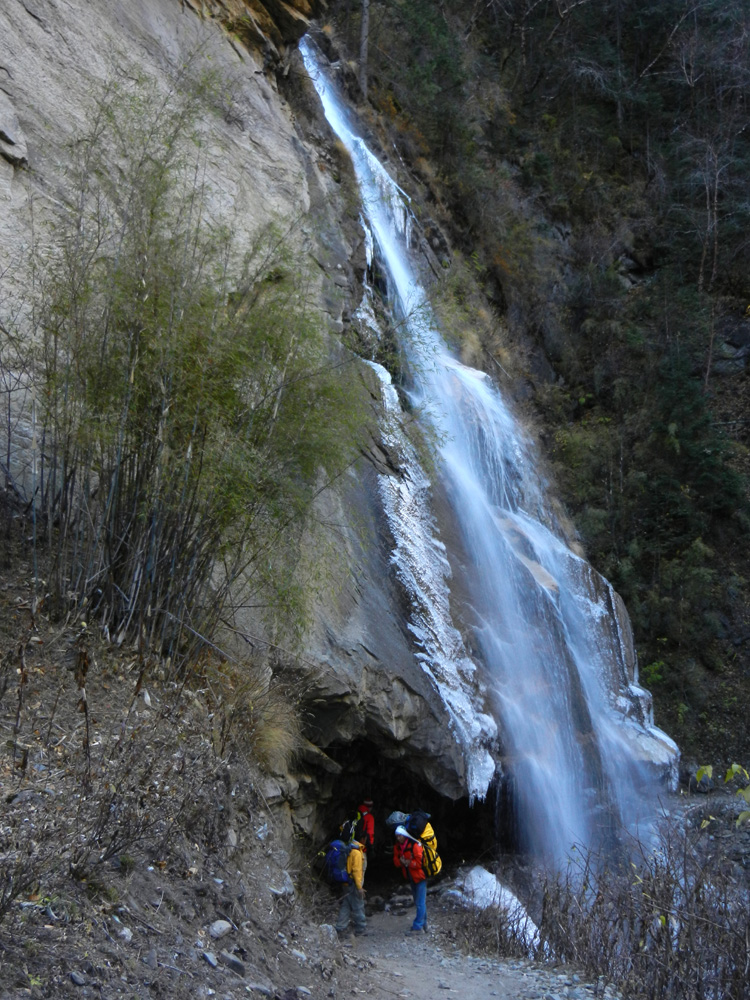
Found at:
<point>55,62</point>
<point>263,162</point>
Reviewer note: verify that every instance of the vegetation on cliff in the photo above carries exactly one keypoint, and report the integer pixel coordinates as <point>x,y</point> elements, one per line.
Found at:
<point>589,160</point>
<point>187,407</point>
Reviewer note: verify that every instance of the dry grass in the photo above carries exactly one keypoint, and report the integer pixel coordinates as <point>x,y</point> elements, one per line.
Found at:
<point>103,753</point>
<point>254,712</point>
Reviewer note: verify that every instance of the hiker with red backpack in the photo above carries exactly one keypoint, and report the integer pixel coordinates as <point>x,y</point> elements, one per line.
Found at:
<point>408,856</point>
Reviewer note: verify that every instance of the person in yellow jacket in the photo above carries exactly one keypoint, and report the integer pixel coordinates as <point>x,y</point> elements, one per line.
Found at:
<point>352,907</point>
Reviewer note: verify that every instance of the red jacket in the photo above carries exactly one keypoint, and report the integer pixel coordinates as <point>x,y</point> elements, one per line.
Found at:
<point>411,851</point>
<point>368,828</point>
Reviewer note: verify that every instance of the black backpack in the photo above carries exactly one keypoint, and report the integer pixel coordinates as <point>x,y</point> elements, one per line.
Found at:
<point>416,822</point>
<point>334,863</point>
<point>416,825</point>
<point>353,829</point>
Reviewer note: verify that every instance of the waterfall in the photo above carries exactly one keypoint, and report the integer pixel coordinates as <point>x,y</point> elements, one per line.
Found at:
<point>558,673</point>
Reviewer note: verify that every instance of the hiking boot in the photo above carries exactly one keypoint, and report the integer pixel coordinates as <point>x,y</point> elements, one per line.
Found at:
<point>361,933</point>
<point>414,930</point>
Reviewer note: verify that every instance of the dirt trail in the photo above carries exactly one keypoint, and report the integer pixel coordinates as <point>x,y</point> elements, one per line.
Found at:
<point>388,962</point>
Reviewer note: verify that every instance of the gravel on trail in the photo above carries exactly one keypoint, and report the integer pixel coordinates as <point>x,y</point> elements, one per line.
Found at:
<point>390,962</point>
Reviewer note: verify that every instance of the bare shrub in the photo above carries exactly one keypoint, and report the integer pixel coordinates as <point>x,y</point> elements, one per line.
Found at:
<point>496,930</point>
<point>673,923</point>
<point>25,860</point>
<point>88,784</point>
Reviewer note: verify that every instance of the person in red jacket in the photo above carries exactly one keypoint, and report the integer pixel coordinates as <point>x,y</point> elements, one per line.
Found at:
<point>407,855</point>
<point>367,833</point>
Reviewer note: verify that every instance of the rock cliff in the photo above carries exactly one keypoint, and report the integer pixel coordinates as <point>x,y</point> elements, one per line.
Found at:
<point>269,27</point>
<point>371,706</point>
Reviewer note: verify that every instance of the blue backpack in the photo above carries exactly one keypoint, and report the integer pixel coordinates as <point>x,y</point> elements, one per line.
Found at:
<point>334,863</point>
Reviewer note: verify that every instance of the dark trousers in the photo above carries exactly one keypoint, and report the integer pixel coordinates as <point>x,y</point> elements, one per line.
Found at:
<point>352,909</point>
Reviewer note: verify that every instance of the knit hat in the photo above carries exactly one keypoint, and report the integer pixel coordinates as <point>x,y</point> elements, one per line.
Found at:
<point>401,831</point>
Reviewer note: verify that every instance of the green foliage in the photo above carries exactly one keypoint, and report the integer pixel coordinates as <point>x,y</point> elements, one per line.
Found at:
<point>192,410</point>
<point>734,772</point>
<point>653,673</point>
<point>428,85</point>
<point>706,771</point>
<point>647,476</point>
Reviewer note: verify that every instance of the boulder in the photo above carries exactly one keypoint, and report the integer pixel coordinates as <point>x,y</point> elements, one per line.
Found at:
<point>12,139</point>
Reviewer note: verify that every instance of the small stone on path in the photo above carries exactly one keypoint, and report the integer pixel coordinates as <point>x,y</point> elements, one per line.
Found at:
<point>232,962</point>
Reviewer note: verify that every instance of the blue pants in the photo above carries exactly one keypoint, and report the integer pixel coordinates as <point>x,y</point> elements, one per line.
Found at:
<point>419,892</point>
<point>352,908</point>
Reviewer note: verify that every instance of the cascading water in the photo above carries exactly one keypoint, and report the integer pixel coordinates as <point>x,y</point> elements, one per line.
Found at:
<point>576,729</point>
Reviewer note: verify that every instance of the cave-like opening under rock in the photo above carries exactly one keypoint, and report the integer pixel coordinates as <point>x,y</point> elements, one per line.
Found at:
<point>467,833</point>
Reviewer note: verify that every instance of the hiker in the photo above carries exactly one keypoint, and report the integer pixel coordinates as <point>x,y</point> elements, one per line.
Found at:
<point>352,907</point>
<point>367,836</point>
<point>362,829</point>
<point>407,855</point>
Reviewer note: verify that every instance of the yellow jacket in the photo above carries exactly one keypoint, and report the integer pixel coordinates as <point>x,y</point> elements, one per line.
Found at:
<point>354,864</point>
